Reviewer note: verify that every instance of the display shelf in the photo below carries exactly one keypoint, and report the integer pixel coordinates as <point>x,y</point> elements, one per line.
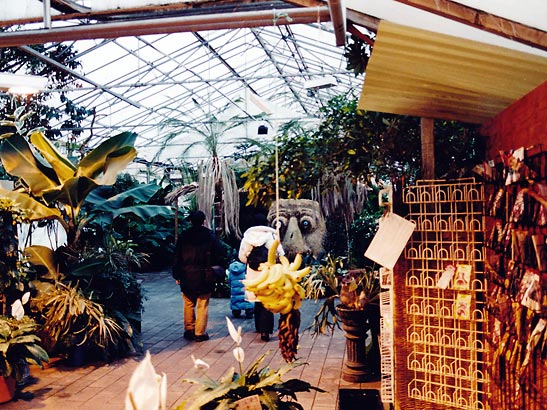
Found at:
<point>458,397</point>
<point>517,270</point>
<point>448,364</point>
<point>442,308</point>
<point>438,191</point>
<point>386,336</point>
<point>416,278</point>
<point>445,303</point>
<point>430,335</point>
<point>447,223</point>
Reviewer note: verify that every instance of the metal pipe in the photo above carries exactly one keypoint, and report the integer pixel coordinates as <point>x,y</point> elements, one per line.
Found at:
<point>60,66</point>
<point>338,17</point>
<point>193,23</point>
<point>47,13</point>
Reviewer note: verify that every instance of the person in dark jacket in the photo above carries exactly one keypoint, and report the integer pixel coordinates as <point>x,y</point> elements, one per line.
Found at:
<point>198,253</point>
<point>238,302</point>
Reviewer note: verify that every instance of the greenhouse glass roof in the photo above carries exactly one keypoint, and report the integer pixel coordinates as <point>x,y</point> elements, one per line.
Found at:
<point>145,80</point>
<point>267,74</point>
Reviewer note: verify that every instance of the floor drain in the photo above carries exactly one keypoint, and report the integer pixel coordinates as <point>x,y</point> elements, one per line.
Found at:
<point>352,399</point>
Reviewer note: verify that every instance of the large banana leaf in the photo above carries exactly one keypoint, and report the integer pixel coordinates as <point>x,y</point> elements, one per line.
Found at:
<point>93,164</point>
<point>35,209</point>
<point>73,192</point>
<point>138,194</point>
<point>43,256</point>
<point>115,163</point>
<point>133,201</point>
<point>19,160</point>
<point>88,268</point>
<point>145,211</point>
<point>61,165</point>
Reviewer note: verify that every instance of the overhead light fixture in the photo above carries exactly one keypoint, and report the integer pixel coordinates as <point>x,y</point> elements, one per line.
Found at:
<point>322,82</point>
<point>22,83</point>
<point>262,130</point>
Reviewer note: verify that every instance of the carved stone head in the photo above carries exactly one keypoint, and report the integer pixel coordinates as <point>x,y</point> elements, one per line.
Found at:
<point>301,226</point>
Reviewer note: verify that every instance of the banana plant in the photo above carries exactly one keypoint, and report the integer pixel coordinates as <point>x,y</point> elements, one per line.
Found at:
<point>133,201</point>
<point>52,186</point>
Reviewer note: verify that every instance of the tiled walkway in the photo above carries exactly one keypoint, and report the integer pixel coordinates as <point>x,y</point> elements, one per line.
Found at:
<point>103,387</point>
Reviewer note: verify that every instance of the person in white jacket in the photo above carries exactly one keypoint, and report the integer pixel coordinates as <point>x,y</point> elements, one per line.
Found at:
<point>253,250</point>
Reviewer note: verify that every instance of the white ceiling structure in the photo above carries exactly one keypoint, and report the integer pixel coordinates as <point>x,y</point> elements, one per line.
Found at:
<point>144,61</point>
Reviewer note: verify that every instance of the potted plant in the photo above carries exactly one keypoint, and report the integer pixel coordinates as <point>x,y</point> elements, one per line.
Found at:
<point>358,293</point>
<point>73,323</point>
<point>53,188</point>
<point>256,387</point>
<point>19,346</point>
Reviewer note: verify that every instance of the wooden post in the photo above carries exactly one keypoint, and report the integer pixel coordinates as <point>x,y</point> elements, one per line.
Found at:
<point>428,148</point>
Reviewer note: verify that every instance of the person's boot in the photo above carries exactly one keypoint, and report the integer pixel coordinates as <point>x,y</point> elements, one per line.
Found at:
<point>189,335</point>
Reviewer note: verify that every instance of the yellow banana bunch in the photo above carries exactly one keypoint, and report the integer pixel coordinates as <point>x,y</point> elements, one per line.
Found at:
<point>277,285</point>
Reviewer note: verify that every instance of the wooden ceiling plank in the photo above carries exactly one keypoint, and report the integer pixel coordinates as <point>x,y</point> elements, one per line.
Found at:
<point>426,74</point>
<point>364,20</point>
<point>444,60</point>
<point>438,92</point>
<point>484,21</point>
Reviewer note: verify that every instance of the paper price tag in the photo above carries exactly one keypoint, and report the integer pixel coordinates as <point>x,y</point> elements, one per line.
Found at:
<point>249,403</point>
<point>446,277</point>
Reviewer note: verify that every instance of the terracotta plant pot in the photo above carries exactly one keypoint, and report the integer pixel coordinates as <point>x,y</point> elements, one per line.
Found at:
<point>362,362</point>
<point>7,389</point>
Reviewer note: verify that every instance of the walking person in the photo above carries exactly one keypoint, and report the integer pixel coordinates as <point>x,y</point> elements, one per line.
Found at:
<point>198,253</point>
<point>256,242</point>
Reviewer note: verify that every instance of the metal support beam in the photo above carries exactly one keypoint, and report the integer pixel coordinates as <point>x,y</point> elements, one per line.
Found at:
<point>279,70</point>
<point>192,23</point>
<point>47,13</point>
<point>338,18</point>
<point>60,66</point>
<point>483,21</point>
<point>68,6</point>
<point>206,44</point>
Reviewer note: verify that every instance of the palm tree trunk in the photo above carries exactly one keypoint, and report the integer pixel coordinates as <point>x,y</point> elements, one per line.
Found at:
<point>218,211</point>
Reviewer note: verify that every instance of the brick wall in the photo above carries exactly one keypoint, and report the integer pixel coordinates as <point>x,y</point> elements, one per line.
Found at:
<point>522,124</point>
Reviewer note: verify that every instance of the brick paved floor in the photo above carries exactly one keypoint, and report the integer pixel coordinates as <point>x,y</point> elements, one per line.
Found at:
<point>102,386</point>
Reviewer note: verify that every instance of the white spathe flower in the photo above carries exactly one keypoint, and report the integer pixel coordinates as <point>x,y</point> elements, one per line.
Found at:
<point>163,390</point>
<point>239,354</point>
<point>147,390</point>
<point>235,334</point>
<point>25,298</point>
<point>17,310</point>
<point>199,364</point>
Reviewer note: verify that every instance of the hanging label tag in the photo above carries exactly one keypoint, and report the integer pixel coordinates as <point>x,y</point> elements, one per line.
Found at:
<point>390,240</point>
<point>446,277</point>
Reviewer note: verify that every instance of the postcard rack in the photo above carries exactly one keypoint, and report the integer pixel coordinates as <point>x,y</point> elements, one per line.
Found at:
<point>517,273</point>
<point>445,287</point>
<point>386,336</point>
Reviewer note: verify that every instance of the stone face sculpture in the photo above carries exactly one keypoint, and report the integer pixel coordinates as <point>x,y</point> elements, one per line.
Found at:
<point>302,227</point>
